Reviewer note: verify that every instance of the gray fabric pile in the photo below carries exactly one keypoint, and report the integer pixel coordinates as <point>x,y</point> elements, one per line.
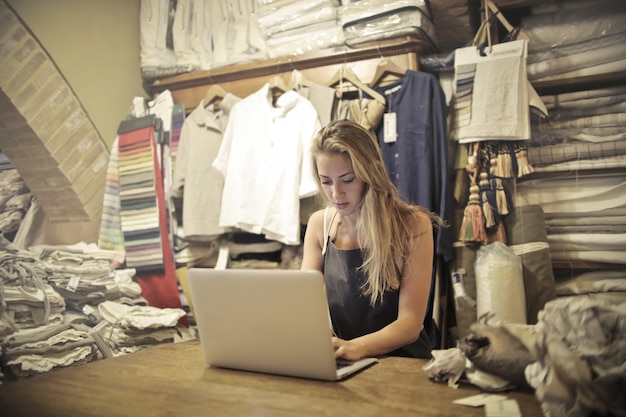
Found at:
<point>574,358</point>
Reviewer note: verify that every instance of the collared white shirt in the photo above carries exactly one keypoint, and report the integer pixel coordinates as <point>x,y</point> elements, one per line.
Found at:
<point>265,160</point>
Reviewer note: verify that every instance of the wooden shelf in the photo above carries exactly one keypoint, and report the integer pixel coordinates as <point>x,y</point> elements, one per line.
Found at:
<point>318,66</point>
<point>584,266</point>
<point>512,4</point>
<point>580,83</point>
<point>571,173</point>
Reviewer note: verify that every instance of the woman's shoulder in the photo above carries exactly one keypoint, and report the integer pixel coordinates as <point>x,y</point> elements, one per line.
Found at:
<point>316,220</point>
<point>317,216</point>
<point>420,220</point>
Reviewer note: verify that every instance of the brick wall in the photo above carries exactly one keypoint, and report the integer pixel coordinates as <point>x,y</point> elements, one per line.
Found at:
<point>44,130</point>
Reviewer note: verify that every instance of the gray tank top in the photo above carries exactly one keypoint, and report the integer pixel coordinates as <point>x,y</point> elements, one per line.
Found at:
<point>350,311</point>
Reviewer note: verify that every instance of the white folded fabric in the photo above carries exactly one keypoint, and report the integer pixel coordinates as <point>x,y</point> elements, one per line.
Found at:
<point>139,317</point>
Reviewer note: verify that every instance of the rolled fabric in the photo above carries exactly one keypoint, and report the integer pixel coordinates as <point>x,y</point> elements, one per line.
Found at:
<point>526,233</point>
<point>500,294</point>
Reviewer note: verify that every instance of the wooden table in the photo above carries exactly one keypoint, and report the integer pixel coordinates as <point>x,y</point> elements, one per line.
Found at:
<point>173,380</point>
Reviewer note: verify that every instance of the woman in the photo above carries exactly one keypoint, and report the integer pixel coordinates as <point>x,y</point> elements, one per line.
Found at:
<point>376,251</point>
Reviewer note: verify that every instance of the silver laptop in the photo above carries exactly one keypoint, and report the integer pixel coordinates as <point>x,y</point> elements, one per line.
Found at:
<point>270,321</point>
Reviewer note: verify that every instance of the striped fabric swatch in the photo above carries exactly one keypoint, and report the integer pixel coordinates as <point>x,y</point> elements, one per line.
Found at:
<point>139,209</point>
<point>178,118</point>
<point>111,236</point>
<point>464,86</point>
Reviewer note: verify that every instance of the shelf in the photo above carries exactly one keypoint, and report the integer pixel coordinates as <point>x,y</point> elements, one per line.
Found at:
<point>561,86</point>
<point>584,266</point>
<point>268,67</point>
<point>572,173</point>
<point>513,4</point>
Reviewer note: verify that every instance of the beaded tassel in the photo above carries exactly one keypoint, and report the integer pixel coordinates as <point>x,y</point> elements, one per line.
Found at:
<point>472,226</point>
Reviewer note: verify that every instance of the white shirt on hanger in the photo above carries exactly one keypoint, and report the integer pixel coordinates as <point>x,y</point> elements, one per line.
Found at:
<point>265,160</point>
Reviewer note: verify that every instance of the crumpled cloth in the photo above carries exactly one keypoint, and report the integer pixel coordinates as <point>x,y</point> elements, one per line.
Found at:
<point>580,356</point>
<point>574,357</point>
<point>452,366</point>
<point>447,365</point>
<point>498,350</point>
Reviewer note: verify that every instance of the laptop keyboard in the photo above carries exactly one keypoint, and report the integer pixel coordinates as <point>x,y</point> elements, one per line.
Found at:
<point>343,363</point>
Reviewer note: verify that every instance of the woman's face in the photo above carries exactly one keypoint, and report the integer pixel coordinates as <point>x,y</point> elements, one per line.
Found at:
<point>339,182</point>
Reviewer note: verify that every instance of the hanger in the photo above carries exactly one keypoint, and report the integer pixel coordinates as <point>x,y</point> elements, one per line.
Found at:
<point>346,74</point>
<point>278,84</point>
<point>298,80</point>
<point>214,95</point>
<point>277,87</point>
<point>482,38</point>
<point>386,67</point>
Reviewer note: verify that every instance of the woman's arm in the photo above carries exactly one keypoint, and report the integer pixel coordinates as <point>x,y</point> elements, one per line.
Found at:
<point>413,301</point>
<point>313,241</point>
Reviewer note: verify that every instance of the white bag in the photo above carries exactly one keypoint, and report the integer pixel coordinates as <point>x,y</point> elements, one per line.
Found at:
<point>491,97</point>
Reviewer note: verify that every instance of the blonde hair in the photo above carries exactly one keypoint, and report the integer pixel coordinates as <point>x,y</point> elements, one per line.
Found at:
<point>382,227</point>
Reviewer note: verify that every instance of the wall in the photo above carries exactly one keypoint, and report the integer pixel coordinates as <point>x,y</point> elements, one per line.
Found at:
<point>95,44</point>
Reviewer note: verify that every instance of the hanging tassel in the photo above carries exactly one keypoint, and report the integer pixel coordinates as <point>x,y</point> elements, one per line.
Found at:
<point>504,201</point>
<point>504,167</point>
<point>472,228</point>
<point>488,202</point>
<point>521,155</point>
<point>466,234</point>
<point>476,215</point>
<point>488,212</point>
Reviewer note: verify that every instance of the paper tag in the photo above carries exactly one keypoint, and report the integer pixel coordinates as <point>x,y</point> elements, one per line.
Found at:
<point>506,408</point>
<point>73,284</point>
<point>480,399</point>
<point>457,284</point>
<point>390,129</point>
<point>87,309</point>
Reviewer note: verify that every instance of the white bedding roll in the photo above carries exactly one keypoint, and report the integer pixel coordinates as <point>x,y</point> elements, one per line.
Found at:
<point>500,290</point>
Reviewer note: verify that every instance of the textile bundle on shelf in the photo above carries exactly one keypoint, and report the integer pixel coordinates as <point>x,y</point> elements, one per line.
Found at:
<point>571,202</point>
<point>375,21</point>
<point>526,231</point>
<point>570,39</point>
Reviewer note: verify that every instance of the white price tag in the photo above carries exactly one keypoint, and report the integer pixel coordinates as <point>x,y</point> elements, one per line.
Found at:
<point>390,128</point>
<point>87,309</point>
<point>72,285</point>
<point>506,408</point>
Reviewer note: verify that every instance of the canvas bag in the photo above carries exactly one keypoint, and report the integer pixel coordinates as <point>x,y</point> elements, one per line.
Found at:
<point>491,96</point>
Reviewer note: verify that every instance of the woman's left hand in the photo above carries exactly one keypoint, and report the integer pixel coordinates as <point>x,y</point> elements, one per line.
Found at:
<point>351,350</point>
